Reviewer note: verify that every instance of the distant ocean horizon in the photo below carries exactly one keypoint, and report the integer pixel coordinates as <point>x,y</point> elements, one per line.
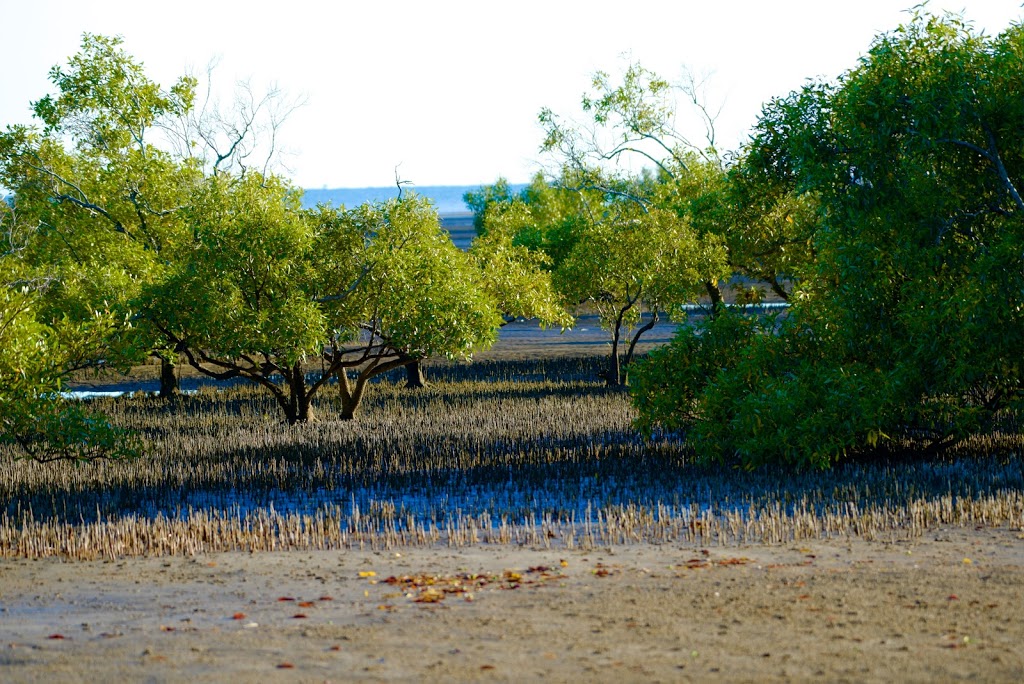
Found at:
<point>447,198</point>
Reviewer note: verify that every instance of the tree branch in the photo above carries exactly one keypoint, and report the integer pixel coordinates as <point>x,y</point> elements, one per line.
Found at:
<point>636,337</point>
<point>84,202</point>
<point>992,156</point>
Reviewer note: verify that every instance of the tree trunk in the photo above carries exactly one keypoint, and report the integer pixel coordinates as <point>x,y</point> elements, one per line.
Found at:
<point>777,288</point>
<point>351,394</point>
<point>715,293</point>
<point>631,352</point>
<point>613,376</point>
<point>299,410</point>
<point>168,379</point>
<point>414,378</point>
<point>305,411</point>
<point>300,403</point>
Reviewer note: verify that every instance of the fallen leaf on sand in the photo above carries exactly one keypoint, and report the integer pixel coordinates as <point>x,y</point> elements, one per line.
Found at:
<point>367,573</point>
<point>434,588</point>
<point>238,616</point>
<point>430,595</point>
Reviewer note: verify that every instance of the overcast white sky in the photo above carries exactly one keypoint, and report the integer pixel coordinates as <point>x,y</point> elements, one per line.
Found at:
<point>449,91</point>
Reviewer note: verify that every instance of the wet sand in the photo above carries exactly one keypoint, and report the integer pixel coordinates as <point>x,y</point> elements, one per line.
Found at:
<point>944,607</point>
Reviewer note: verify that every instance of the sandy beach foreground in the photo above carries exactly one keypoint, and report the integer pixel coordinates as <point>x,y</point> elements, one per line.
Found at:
<point>943,607</point>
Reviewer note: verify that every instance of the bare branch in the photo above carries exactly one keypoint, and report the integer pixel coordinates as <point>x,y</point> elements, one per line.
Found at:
<point>399,182</point>
<point>226,139</point>
<point>696,91</point>
<point>642,202</point>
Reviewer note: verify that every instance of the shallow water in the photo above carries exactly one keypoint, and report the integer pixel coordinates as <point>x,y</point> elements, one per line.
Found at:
<point>525,496</point>
<point>100,394</point>
<point>520,447</point>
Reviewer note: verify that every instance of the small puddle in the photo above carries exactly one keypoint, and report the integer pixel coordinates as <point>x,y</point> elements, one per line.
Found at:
<point>106,394</point>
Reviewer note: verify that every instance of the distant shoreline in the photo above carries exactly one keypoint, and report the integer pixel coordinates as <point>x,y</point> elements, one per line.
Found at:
<point>447,198</point>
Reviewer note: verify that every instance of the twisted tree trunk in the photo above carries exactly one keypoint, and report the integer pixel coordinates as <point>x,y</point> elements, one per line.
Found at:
<point>169,386</point>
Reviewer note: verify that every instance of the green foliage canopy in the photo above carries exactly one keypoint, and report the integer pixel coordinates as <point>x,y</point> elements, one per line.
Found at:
<point>96,204</point>
<point>640,242</point>
<point>911,322</point>
<point>272,288</point>
<point>35,356</point>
